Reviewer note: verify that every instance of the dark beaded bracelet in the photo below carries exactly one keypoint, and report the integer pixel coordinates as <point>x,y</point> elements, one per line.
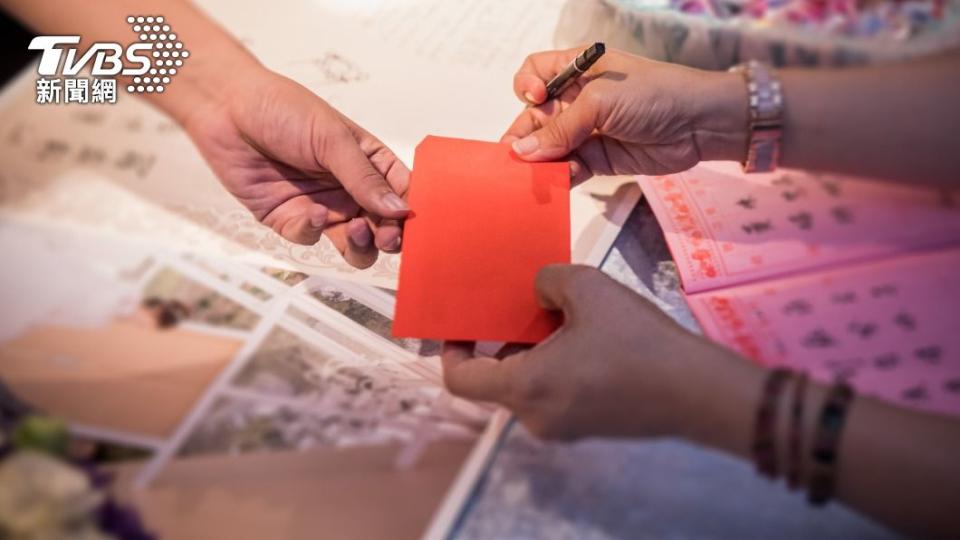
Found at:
<point>764,434</point>
<point>795,443</point>
<point>826,443</point>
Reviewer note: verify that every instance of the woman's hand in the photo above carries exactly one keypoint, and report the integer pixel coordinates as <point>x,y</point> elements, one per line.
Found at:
<point>628,115</point>
<point>618,367</point>
<point>302,168</point>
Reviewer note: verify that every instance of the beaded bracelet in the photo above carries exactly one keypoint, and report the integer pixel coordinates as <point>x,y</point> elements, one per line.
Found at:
<point>795,443</point>
<point>764,439</point>
<point>826,442</point>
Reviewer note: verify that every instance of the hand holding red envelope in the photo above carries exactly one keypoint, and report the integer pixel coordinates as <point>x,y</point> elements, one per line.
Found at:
<point>483,223</point>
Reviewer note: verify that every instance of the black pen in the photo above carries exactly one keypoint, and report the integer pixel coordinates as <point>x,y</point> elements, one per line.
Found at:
<point>580,64</point>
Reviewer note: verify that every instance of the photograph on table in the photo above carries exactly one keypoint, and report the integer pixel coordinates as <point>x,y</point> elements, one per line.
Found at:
<point>295,392</point>
<point>110,337</point>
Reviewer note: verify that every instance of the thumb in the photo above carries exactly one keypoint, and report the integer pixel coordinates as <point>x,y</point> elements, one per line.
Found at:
<point>558,284</point>
<point>347,161</point>
<point>562,134</point>
<point>473,377</point>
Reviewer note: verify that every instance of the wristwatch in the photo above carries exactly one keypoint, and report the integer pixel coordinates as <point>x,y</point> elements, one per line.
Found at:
<point>766,116</point>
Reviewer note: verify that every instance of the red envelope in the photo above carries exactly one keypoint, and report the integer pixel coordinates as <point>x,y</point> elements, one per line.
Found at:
<point>483,223</point>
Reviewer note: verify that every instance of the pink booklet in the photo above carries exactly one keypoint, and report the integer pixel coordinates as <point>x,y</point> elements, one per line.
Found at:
<point>842,277</point>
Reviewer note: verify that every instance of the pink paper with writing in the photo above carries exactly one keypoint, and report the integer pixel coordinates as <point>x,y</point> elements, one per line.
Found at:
<point>842,277</point>
<point>725,228</point>
<point>890,328</point>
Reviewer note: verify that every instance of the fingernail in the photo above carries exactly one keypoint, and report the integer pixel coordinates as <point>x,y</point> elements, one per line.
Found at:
<point>395,203</point>
<point>526,145</point>
<point>529,97</point>
<point>360,235</point>
<point>395,245</point>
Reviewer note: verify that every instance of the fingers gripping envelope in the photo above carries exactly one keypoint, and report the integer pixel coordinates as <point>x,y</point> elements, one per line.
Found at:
<point>483,223</point>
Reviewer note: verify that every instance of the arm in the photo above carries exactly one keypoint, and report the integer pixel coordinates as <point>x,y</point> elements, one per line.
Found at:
<point>632,115</point>
<point>648,377</point>
<point>296,163</point>
<point>896,121</point>
<point>896,465</point>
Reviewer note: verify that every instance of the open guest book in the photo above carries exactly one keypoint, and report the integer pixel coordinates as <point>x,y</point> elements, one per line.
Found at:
<point>845,278</point>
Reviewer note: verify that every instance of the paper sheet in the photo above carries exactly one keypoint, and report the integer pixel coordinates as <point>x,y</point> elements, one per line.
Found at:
<point>724,227</point>
<point>889,328</point>
<point>464,33</point>
<point>484,222</point>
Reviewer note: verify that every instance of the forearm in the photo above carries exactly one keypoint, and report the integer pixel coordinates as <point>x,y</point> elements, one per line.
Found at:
<point>892,122</point>
<point>217,61</point>
<point>902,467</point>
<point>896,465</point>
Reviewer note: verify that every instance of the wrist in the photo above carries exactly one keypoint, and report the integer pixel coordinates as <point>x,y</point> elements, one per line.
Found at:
<point>724,390</point>
<point>215,71</point>
<point>721,117</point>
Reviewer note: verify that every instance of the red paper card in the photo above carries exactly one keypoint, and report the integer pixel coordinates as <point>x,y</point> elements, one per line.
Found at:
<point>483,223</point>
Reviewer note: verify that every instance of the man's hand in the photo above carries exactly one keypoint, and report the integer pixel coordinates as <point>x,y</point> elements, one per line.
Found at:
<point>302,168</point>
<point>628,115</point>
<point>618,367</point>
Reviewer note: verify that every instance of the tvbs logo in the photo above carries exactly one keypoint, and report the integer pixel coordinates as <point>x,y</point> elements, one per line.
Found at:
<point>150,63</point>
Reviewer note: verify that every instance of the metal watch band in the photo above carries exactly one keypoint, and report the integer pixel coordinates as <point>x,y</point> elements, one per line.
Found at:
<point>766,116</point>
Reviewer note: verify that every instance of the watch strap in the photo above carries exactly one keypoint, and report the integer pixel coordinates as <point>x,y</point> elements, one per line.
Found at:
<point>765,102</point>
